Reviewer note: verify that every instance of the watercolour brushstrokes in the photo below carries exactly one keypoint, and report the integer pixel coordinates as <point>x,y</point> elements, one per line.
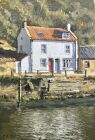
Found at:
<point>47,69</point>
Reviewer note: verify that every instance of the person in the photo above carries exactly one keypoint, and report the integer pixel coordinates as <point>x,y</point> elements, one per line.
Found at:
<point>41,94</point>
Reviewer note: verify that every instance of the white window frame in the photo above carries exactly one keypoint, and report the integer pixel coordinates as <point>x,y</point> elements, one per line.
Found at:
<point>67,49</point>
<point>66,35</point>
<point>67,63</point>
<point>43,48</point>
<point>43,62</point>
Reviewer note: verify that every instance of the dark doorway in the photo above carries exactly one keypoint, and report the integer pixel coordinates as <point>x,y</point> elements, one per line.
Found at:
<point>50,65</point>
<point>57,65</point>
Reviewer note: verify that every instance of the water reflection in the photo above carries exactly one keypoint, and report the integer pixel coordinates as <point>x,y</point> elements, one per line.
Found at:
<point>49,124</point>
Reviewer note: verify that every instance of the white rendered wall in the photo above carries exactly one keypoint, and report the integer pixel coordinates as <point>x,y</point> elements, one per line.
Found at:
<point>17,68</point>
<point>24,41</point>
<point>24,67</point>
<point>55,50</point>
<point>25,64</point>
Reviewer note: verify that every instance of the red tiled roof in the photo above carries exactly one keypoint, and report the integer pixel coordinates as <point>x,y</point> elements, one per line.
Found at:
<point>48,33</point>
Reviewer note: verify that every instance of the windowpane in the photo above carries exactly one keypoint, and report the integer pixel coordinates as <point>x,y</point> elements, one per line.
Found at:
<point>43,62</point>
<point>67,63</point>
<point>64,63</point>
<point>87,64</point>
<point>66,35</point>
<point>40,34</point>
<point>67,49</point>
<point>43,48</point>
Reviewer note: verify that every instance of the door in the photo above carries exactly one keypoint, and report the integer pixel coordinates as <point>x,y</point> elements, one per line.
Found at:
<point>57,65</point>
<point>50,65</point>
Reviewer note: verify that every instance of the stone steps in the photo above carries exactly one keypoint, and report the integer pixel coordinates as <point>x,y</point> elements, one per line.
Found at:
<point>69,90</point>
<point>64,92</point>
<point>64,86</point>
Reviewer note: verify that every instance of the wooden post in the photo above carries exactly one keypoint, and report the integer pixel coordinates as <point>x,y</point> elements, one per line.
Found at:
<point>48,86</point>
<point>12,75</point>
<point>25,73</point>
<point>37,72</point>
<point>85,73</point>
<point>65,73</point>
<point>52,73</point>
<point>19,93</point>
<point>20,89</point>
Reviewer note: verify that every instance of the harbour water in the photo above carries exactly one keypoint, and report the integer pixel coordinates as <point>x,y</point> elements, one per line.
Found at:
<point>65,123</point>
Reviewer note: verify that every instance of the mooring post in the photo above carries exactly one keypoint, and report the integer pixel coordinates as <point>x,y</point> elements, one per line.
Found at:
<point>48,86</point>
<point>12,74</point>
<point>37,72</point>
<point>19,97</point>
<point>19,93</point>
<point>85,73</point>
<point>65,73</point>
<point>52,73</point>
<point>25,73</point>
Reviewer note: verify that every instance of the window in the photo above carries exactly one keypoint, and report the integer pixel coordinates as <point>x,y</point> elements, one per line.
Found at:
<point>67,63</point>
<point>40,34</point>
<point>43,48</point>
<point>68,49</point>
<point>66,35</point>
<point>87,64</point>
<point>43,62</point>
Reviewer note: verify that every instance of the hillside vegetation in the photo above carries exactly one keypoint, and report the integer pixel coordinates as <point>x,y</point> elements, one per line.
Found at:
<point>48,13</point>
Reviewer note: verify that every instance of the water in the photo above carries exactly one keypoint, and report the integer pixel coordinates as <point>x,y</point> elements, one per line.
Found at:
<point>67,123</point>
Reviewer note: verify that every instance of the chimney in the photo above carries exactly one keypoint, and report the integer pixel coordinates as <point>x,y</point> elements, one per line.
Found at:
<point>24,23</point>
<point>69,27</point>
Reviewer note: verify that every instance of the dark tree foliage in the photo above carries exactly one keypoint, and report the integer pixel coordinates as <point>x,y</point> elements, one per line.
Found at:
<point>49,13</point>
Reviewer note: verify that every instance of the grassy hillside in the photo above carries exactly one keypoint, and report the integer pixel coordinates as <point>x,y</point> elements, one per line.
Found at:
<point>7,58</point>
<point>49,13</point>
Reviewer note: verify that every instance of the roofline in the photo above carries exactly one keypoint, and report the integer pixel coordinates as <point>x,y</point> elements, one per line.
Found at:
<point>87,58</point>
<point>87,46</point>
<point>73,34</point>
<point>49,28</point>
<point>52,40</point>
<point>27,32</point>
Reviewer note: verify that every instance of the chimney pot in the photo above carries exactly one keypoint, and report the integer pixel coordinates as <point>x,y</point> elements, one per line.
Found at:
<point>69,27</point>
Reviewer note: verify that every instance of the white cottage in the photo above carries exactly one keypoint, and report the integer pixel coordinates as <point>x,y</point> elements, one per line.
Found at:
<point>47,49</point>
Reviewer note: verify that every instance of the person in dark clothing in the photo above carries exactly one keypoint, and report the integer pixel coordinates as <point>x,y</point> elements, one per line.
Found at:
<point>41,94</point>
<point>27,88</point>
